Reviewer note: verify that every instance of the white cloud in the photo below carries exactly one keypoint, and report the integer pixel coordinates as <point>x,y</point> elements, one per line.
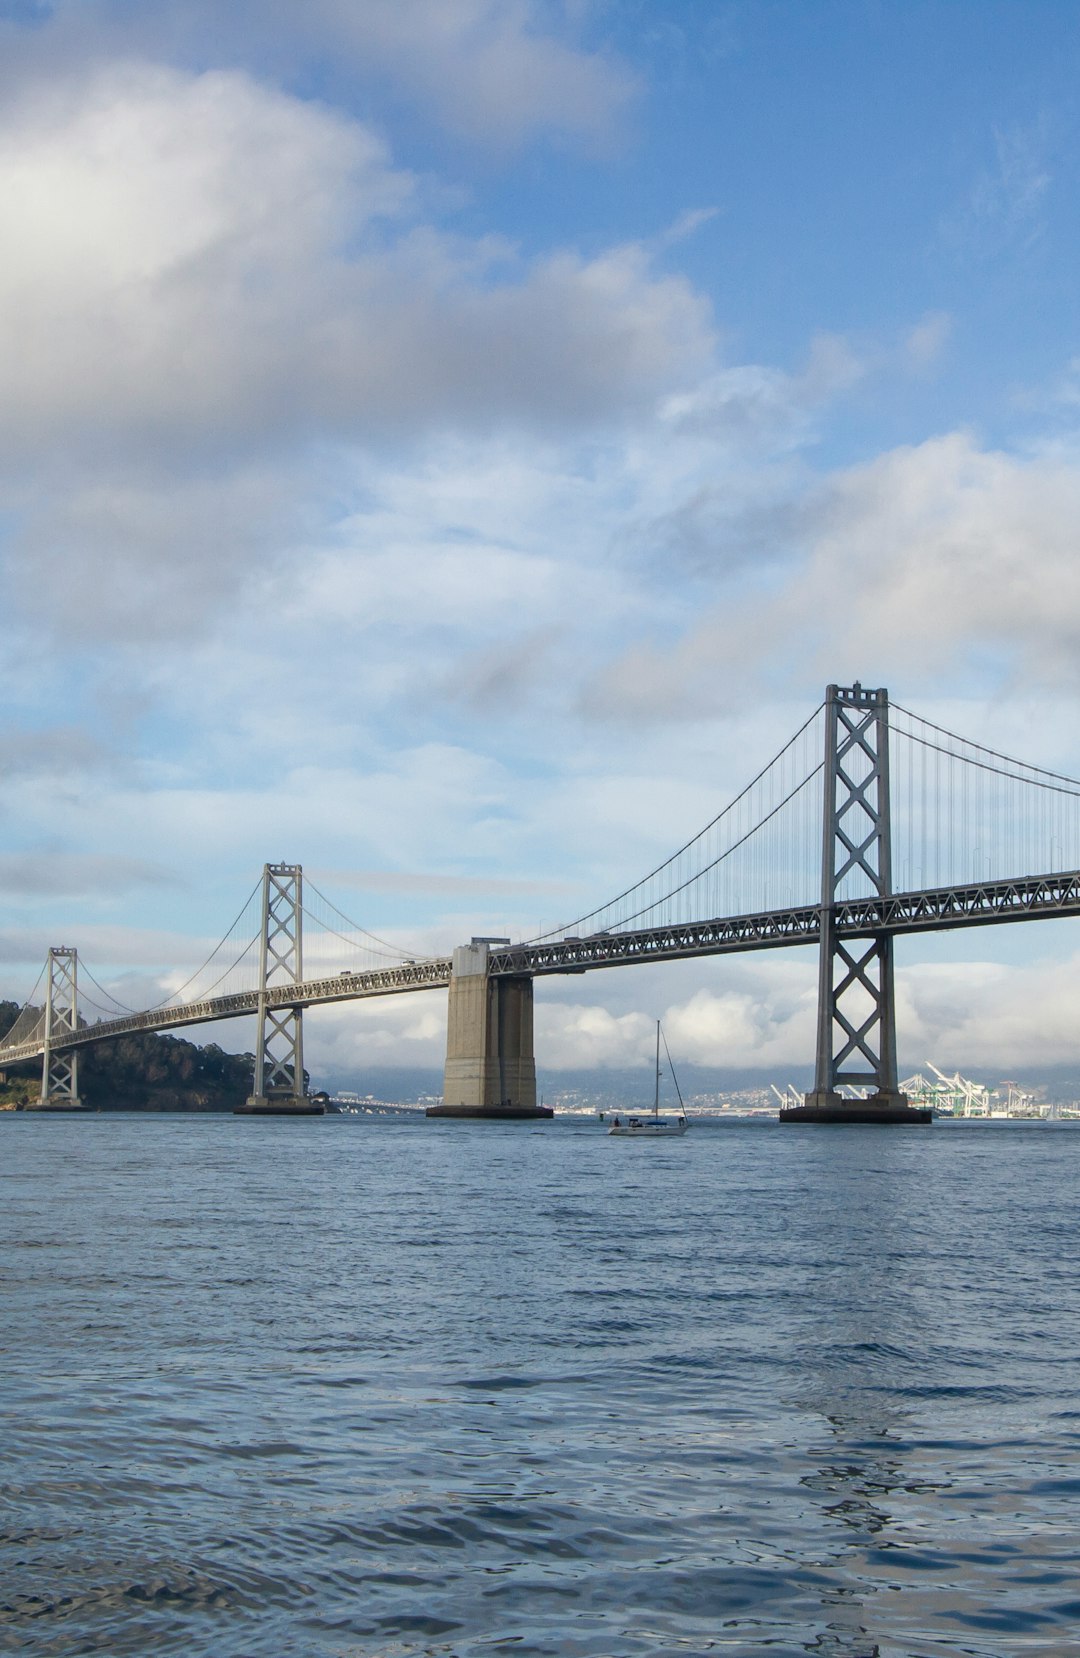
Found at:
<point>213,291</point>
<point>491,69</point>
<point>946,547</point>
<point>392,1030</point>
<point>139,559</point>
<point>766,409</point>
<point>716,1012</point>
<point>36,875</point>
<point>1067,390</point>
<point>974,1015</point>
<point>103,945</point>
<point>1010,194</point>
<point>201,259</point>
<point>448,886</point>
<point>926,342</point>
<point>57,750</point>
<point>495,72</point>
<point>924,564</point>
<point>161,230</point>
<point>1006,208</point>
<point>986,1014</point>
<point>589,1036</point>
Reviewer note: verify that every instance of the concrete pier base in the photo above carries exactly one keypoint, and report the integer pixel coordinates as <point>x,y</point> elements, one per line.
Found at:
<point>63,1103</point>
<point>826,1107</point>
<point>490,1068</point>
<point>282,1105</point>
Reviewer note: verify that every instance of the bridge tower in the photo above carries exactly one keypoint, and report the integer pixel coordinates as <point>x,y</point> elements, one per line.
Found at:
<point>60,1065</point>
<point>490,1068</point>
<point>279,1049</point>
<point>856,1030</point>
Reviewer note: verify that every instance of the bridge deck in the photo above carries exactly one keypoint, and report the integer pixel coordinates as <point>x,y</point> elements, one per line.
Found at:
<point>345,987</point>
<point>938,909</point>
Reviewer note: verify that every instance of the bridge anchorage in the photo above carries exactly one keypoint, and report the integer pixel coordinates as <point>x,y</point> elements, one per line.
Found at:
<point>279,1089</point>
<point>856,1027</point>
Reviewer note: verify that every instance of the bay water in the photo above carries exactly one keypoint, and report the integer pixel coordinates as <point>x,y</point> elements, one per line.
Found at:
<point>382,1386</point>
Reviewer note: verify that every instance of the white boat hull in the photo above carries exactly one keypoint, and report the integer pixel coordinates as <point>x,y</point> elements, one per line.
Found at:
<point>648,1128</point>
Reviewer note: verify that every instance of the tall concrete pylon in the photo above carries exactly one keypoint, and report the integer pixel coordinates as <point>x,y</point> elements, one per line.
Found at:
<point>856,1030</point>
<point>279,1049</point>
<point>490,1067</point>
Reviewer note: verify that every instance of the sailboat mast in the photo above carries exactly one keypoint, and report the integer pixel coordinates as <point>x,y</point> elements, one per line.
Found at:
<point>656,1095</point>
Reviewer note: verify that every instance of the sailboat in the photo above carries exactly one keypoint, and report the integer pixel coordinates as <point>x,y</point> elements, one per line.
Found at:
<point>644,1126</point>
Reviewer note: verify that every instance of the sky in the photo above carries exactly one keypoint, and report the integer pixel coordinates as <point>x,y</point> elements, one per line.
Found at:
<point>451,444</point>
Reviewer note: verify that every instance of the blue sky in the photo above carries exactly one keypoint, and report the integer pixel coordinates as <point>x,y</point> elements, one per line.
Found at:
<point>452,444</point>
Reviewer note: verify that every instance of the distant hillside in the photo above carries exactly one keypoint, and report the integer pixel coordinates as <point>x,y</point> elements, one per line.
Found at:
<point>409,1083</point>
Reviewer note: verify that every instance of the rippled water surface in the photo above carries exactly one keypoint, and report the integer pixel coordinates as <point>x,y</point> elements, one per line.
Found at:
<point>378,1386</point>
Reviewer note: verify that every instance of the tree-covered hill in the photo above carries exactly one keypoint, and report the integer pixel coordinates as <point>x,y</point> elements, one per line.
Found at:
<point>141,1073</point>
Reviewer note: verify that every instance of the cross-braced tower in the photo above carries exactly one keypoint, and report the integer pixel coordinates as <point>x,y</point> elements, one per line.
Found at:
<point>60,1065</point>
<point>279,1050</point>
<point>856,1035</point>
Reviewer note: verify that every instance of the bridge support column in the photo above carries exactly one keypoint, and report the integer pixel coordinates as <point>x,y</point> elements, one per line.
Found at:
<point>856,1040</point>
<point>490,1068</point>
<point>60,1067</point>
<point>279,1049</point>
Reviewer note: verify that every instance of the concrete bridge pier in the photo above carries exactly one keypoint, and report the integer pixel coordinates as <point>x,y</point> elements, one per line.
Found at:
<point>490,1067</point>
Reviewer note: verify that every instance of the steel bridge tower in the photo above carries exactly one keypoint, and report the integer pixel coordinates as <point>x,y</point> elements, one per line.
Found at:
<point>279,1050</point>
<point>856,1028</point>
<point>60,1067</point>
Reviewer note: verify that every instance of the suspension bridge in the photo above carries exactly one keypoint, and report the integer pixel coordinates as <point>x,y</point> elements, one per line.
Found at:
<point>808,853</point>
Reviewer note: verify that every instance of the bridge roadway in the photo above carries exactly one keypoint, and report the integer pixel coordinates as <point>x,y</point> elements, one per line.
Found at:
<point>936,909</point>
<point>344,987</point>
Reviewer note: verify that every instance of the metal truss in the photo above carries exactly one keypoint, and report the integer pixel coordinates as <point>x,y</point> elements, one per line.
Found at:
<point>279,1048</point>
<point>772,929</point>
<point>937,909</point>
<point>342,987</point>
<point>60,1062</point>
<point>856,1037</point>
<point>981,904</point>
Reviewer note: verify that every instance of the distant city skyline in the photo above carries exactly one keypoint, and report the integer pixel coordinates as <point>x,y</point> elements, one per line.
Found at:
<point>452,444</point>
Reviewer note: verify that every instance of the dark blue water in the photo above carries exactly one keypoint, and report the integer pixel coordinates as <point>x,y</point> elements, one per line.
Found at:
<point>361,1386</point>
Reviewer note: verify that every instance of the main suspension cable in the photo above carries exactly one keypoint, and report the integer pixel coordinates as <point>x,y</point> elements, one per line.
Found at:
<point>981,765</point>
<point>26,1008</point>
<point>666,864</point>
<point>734,847</point>
<point>175,994</point>
<point>85,973</point>
<point>349,922</point>
<point>1010,760</point>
